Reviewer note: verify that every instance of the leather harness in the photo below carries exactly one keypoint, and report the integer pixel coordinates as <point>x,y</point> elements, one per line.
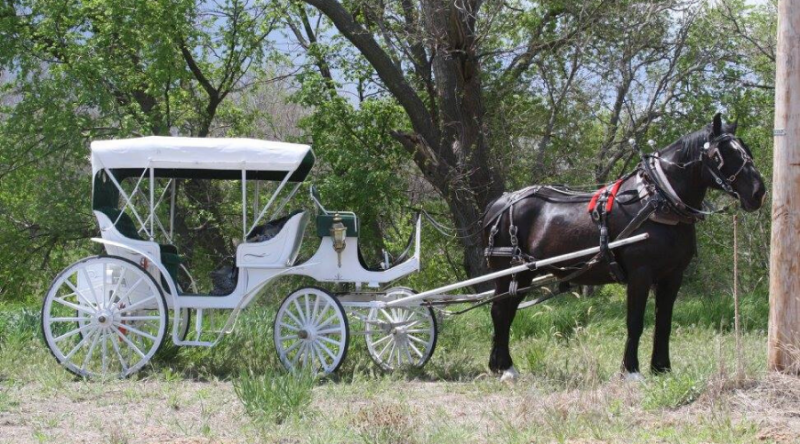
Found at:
<point>662,205</point>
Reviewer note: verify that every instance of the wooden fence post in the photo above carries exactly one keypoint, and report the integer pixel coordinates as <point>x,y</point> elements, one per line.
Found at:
<point>784,287</point>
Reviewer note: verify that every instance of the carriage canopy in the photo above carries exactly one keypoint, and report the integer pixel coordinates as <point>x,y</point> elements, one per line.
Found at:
<point>203,158</point>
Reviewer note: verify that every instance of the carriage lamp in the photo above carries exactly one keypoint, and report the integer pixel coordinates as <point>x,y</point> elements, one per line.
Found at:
<point>338,233</point>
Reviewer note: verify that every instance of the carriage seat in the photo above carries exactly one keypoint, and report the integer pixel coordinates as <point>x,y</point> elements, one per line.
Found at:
<point>170,258</point>
<point>105,198</point>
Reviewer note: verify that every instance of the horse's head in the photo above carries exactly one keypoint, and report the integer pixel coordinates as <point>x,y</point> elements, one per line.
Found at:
<point>729,166</point>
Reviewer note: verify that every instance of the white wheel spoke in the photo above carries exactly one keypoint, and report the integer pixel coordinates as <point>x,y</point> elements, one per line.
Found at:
<point>416,350</point>
<point>327,351</point>
<point>386,314</point>
<point>105,271</point>
<point>290,327</point>
<point>136,305</point>
<point>113,296</point>
<point>330,331</point>
<point>88,357</point>
<point>70,319</point>
<point>119,355</point>
<point>104,348</point>
<point>313,357</point>
<point>76,307</point>
<point>330,341</point>
<point>408,353</point>
<point>77,293</point>
<point>379,341</point>
<point>77,347</point>
<point>71,333</point>
<point>322,362</point>
<point>91,285</point>
<point>287,337</point>
<point>296,357</point>
<point>315,310</point>
<point>308,308</point>
<point>414,338</point>
<point>328,321</point>
<point>131,288</point>
<point>135,331</point>
<point>411,324</point>
<point>390,343</point>
<point>418,330</point>
<point>294,318</point>
<point>300,312</point>
<point>128,341</point>
<point>291,347</point>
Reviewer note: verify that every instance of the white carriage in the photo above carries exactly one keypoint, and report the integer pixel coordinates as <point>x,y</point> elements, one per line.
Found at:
<point>108,315</point>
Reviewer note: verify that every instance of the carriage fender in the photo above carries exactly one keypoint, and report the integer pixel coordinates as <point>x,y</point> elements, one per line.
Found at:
<point>173,291</point>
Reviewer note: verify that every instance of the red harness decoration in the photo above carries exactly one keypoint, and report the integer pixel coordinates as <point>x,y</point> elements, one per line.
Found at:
<point>611,195</point>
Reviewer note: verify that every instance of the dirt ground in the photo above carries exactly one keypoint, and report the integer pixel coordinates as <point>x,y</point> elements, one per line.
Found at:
<point>203,412</point>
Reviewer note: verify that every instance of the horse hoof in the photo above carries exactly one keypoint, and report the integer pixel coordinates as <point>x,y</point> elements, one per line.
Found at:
<point>509,375</point>
<point>633,377</point>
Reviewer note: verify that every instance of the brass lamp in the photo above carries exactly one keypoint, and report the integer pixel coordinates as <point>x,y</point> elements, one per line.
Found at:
<point>339,234</point>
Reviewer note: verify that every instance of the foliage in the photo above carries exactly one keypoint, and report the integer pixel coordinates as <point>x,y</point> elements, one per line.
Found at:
<point>551,77</point>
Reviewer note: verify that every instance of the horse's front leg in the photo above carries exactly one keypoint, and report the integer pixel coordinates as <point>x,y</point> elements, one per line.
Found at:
<point>503,313</point>
<point>666,293</point>
<point>639,284</point>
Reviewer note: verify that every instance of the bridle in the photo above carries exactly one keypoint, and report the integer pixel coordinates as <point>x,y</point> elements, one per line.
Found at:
<point>713,161</point>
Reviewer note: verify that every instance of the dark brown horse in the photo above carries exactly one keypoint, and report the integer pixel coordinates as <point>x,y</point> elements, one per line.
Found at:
<point>551,221</point>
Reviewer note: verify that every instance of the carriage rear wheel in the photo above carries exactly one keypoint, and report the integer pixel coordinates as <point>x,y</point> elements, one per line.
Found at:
<point>104,316</point>
<point>311,331</point>
<point>401,336</point>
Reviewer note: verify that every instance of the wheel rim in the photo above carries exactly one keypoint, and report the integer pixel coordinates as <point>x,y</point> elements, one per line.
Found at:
<point>311,331</point>
<point>400,336</point>
<point>104,316</point>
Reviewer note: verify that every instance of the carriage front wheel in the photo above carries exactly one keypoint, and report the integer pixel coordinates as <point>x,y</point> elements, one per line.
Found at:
<point>401,336</point>
<point>104,316</point>
<point>311,331</point>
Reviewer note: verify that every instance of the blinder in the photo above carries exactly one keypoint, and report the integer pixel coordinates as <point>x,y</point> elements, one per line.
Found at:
<point>713,161</point>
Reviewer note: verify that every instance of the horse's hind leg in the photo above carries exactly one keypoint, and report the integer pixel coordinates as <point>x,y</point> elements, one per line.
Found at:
<point>503,312</point>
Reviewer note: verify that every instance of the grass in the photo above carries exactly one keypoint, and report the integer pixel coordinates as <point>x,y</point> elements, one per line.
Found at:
<point>568,351</point>
<point>274,396</point>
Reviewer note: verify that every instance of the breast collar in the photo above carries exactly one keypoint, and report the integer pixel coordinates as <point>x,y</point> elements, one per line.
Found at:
<point>657,185</point>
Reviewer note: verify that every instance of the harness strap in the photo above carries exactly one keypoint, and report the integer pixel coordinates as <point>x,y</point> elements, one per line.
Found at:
<point>512,198</point>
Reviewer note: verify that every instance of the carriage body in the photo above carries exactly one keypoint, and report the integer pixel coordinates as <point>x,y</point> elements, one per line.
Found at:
<point>115,308</point>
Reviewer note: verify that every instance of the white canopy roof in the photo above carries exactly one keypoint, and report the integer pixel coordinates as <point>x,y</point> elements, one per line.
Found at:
<point>197,153</point>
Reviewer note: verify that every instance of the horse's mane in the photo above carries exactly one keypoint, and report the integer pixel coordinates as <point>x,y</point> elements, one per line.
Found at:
<point>688,147</point>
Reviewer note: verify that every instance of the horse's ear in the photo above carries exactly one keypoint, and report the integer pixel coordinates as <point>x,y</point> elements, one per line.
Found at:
<point>731,127</point>
<point>716,127</point>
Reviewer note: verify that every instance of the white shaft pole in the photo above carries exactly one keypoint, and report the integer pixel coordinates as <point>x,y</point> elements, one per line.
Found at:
<point>514,270</point>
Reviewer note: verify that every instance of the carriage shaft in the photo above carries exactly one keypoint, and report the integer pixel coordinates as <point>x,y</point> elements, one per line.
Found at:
<point>513,270</point>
